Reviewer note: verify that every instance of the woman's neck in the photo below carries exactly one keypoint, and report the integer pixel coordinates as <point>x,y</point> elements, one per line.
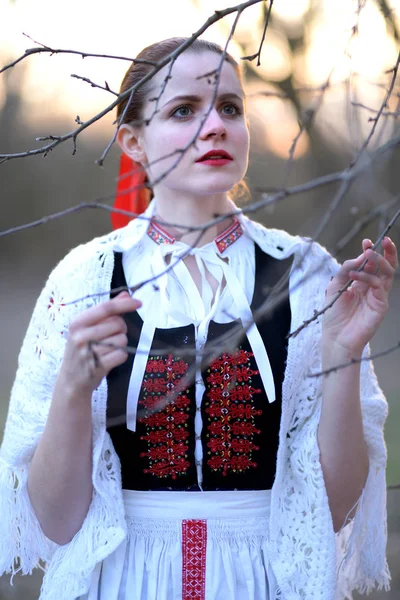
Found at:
<point>177,215</point>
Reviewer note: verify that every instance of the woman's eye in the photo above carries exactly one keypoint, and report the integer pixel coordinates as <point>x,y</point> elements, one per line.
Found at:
<point>230,109</point>
<point>182,112</point>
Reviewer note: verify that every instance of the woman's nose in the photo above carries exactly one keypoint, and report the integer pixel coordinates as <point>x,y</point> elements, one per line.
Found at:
<point>213,125</point>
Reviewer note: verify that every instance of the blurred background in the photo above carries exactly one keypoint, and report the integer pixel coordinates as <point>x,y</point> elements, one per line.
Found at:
<point>325,68</point>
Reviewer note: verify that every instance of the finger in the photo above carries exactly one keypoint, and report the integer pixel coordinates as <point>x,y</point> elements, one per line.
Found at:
<point>369,279</point>
<point>103,356</point>
<point>81,335</point>
<point>367,243</point>
<point>390,252</point>
<point>119,305</point>
<point>112,352</point>
<point>343,275</point>
<point>378,265</point>
<point>372,264</point>
<point>113,359</point>
<point>110,344</point>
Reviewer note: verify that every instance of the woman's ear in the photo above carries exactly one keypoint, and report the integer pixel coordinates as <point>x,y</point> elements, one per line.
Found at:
<point>130,142</point>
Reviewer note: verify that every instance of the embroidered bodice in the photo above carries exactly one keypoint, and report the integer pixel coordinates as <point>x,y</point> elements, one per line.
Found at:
<point>219,431</point>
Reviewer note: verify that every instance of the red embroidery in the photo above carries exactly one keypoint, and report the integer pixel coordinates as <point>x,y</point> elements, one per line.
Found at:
<point>231,412</point>
<point>54,306</point>
<point>166,430</point>
<point>222,241</point>
<point>194,547</point>
<point>229,236</point>
<point>158,235</point>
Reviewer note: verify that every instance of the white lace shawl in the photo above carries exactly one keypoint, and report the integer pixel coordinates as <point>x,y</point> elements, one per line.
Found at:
<point>308,559</point>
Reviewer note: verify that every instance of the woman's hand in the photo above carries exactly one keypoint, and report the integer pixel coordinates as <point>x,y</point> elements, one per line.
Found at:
<point>354,318</point>
<point>86,363</point>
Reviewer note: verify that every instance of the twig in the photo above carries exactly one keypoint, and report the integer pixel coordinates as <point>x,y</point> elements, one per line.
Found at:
<point>266,199</point>
<point>104,87</point>
<point>379,113</point>
<point>385,113</point>
<point>362,223</point>
<point>354,361</point>
<point>258,53</point>
<point>47,50</point>
<point>309,114</point>
<point>56,140</point>
<point>350,281</point>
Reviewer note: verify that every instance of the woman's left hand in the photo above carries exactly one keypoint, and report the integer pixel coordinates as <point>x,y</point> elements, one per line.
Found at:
<point>355,317</point>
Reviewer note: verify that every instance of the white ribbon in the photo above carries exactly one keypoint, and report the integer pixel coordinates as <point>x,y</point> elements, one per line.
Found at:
<point>207,257</point>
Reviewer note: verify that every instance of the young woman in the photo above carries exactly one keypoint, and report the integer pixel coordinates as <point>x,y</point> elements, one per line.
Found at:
<point>209,464</point>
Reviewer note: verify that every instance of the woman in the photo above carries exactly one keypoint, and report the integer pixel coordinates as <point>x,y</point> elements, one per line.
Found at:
<point>275,462</point>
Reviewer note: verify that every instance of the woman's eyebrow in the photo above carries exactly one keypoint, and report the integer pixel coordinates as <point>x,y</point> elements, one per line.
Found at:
<point>196,99</point>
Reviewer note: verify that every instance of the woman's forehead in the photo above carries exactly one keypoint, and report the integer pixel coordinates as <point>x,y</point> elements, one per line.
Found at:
<point>194,74</point>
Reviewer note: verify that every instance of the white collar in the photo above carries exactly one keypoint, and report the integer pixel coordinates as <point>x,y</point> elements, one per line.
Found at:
<point>276,243</point>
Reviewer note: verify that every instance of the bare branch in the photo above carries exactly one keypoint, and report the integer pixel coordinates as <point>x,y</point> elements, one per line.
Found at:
<point>309,114</point>
<point>258,53</point>
<point>354,361</point>
<point>104,87</point>
<point>56,140</point>
<point>43,49</point>
<point>366,220</point>
<point>380,111</point>
<point>266,200</point>
<point>350,281</point>
<point>385,113</point>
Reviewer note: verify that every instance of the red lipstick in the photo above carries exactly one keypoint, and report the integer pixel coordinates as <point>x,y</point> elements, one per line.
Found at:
<point>215,158</point>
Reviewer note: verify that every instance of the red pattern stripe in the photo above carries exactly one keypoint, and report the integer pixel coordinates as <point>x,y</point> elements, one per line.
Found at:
<point>194,546</point>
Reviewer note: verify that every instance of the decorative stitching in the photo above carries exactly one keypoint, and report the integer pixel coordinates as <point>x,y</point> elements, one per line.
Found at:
<point>222,241</point>
<point>159,235</point>
<point>194,546</point>
<point>166,431</point>
<point>230,406</point>
<point>229,236</point>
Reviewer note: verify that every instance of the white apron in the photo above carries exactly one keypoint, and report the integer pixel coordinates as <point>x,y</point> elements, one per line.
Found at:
<point>190,546</point>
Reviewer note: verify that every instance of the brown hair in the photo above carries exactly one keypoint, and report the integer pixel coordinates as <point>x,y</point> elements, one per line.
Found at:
<point>154,54</point>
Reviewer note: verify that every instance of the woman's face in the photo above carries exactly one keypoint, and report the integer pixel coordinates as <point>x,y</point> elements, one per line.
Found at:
<point>181,110</point>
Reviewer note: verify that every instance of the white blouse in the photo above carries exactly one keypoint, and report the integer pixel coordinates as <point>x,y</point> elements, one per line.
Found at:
<point>172,299</point>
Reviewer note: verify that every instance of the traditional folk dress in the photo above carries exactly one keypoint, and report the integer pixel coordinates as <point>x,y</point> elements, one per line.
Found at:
<point>206,474</point>
<point>197,472</point>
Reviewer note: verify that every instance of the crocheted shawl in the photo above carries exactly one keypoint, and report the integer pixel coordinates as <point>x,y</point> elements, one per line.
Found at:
<point>309,560</point>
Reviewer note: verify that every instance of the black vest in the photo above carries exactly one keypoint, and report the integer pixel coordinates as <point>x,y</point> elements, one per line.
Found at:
<point>240,427</point>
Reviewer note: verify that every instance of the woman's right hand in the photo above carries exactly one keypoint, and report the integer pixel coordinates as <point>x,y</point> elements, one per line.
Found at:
<point>86,363</point>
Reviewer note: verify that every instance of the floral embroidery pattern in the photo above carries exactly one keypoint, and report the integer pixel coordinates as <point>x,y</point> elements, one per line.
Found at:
<point>158,235</point>
<point>231,413</point>
<point>166,430</point>
<point>55,305</point>
<point>223,240</point>
<point>229,236</point>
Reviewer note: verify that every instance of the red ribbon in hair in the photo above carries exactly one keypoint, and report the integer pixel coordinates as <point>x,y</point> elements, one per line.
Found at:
<point>131,193</point>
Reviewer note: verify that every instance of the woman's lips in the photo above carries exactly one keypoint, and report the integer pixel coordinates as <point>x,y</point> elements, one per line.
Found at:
<point>215,162</point>
<point>215,158</point>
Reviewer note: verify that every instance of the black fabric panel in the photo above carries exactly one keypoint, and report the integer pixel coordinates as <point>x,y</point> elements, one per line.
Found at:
<point>139,470</point>
<point>240,427</point>
<point>248,459</point>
